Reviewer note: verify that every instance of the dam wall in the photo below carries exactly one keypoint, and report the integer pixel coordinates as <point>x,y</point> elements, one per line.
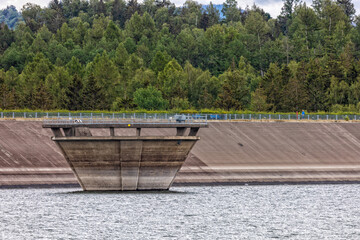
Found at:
<point>229,152</point>
<point>126,163</point>
<point>271,152</point>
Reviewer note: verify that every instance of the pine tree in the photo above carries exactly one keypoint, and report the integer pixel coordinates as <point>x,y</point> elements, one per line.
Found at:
<point>159,61</point>
<point>74,67</point>
<point>272,86</point>
<point>213,14</point>
<point>294,96</point>
<point>41,98</point>
<point>258,101</point>
<point>6,37</point>
<point>74,93</point>
<point>93,95</point>
<point>226,100</point>
<point>106,76</point>
<point>256,25</point>
<point>235,93</point>
<point>286,14</point>
<point>348,8</point>
<point>118,11</point>
<point>230,11</point>
<point>101,9</point>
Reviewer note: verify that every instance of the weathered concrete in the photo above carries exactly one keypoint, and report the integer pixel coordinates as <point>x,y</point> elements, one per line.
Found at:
<point>268,152</point>
<point>29,157</point>
<point>229,152</point>
<point>125,163</point>
<point>125,125</point>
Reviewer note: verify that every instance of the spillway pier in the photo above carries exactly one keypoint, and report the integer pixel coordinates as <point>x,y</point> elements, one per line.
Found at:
<point>122,163</point>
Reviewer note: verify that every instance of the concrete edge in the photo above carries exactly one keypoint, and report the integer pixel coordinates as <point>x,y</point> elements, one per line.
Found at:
<point>127,138</point>
<point>39,185</point>
<point>125,125</point>
<point>189,184</point>
<point>234,183</point>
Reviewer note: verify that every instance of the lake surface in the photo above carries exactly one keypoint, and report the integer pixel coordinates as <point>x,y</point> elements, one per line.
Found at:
<point>209,212</point>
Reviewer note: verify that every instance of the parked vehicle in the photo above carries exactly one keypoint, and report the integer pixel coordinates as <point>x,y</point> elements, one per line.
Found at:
<point>180,118</point>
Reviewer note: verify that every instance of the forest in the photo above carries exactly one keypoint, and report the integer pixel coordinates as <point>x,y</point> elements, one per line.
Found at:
<point>117,55</point>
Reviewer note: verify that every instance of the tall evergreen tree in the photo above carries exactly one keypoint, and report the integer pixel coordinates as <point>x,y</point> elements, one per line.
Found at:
<point>74,94</point>
<point>348,8</point>
<point>235,93</point>
<point>231,11</point>
<point>118,12</point>
<point>101,8</point>
<point>92,95</point>
<point>213,14</point>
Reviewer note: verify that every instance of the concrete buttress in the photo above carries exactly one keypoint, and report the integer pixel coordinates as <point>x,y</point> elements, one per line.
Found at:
<point>126,163</point>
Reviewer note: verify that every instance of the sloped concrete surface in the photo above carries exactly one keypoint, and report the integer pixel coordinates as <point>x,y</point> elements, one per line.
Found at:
<point>275,152</point>
<point>228,152</point>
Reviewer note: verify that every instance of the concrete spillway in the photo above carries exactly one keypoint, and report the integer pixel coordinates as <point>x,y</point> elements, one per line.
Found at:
<point>229,152</point>
<point>123,162</point>
<point>126,163</point>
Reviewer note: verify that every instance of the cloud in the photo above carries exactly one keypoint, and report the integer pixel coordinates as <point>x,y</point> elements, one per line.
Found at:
<point>20,3</point>
<point>357,6</point>
<point>272,7</point>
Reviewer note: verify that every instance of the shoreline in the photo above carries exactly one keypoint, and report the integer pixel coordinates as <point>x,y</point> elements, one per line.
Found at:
<point>192,184</point>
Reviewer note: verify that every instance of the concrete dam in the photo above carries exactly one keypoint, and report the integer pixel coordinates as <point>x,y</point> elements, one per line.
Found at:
<point>123,163</point>
<point>228,153</point>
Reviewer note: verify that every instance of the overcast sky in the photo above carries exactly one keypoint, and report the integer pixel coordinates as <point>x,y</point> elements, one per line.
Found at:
<point>271,6</point>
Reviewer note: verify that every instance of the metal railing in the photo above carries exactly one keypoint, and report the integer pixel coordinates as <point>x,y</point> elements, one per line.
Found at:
<point>153,117</point>
<point>123,119</point>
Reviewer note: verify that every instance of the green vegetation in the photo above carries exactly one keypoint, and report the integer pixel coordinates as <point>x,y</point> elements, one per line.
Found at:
<point>122,56</point>
<point>149,98</point>
<point>10,16</point>
<point>20,112</point>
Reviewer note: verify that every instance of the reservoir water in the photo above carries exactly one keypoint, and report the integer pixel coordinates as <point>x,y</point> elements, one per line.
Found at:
<point>209,212</point>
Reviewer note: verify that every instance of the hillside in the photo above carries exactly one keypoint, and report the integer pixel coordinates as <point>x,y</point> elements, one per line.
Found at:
<point>117,55</point>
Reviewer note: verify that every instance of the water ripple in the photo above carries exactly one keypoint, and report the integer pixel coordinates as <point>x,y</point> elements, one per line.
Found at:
<point>228,212</point>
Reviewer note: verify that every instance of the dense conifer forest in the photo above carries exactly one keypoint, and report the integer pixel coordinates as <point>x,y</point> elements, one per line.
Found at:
<point>118,55</point>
